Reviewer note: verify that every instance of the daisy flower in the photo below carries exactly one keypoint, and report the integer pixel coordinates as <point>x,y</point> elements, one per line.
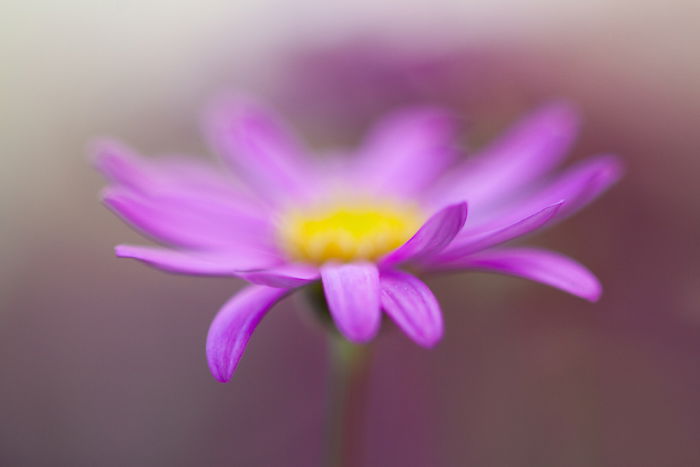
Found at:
<point>364,224</point>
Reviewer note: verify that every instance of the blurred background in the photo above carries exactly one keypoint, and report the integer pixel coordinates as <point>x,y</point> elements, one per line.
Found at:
<point>102,360</point>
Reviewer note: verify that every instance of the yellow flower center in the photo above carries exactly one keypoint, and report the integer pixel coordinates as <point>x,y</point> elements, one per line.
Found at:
<point>347,231</point>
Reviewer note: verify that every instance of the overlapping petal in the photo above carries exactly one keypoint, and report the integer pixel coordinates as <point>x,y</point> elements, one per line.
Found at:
<point>352,293</point>
<point>577,187</point>
<point>234,324</point>
<point>189,222</point>
<point>202,263</point>
<point>473,240</point>
<point>259,146</point>
<point>407,150</point>
<point>283,276</point>
<point>527,152</point>
<point>121,165</point>
<point>412,306</point>
<point>539,265</point>
<point>187,177</point>
<point>432,237</point>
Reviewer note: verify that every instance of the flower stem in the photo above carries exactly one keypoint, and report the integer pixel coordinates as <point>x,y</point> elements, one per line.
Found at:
<point>348,378</point>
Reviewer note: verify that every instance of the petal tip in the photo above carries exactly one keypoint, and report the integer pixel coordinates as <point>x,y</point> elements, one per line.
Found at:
<point>109,156</point>
<point>222,362</point>
<point>595,294</point>
<point>463,208</point>
<point>553,209</point>
<point>101,148</point>
<point>613,168</point>
<point>607,170</point>
<point>352,294</point>
<point>120,251</point>
<point>359,335</point>
<point>430,341</point>
<point>219,374</point>
<point>561,112</point>
<point>126,251</point>
<point>114,198</point>
<point>458,211</point>
<point>232,327</point>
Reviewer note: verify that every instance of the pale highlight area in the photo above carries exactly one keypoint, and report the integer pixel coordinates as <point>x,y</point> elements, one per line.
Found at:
<point>347,230</point>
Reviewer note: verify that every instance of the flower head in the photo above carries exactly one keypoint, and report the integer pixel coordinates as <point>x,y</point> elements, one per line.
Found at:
<point>362,225</point>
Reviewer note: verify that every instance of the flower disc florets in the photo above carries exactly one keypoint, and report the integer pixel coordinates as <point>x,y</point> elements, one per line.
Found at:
<point>345,231</point>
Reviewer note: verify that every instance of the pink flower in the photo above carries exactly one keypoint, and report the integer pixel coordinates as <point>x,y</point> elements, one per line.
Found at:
<point>362,225</point>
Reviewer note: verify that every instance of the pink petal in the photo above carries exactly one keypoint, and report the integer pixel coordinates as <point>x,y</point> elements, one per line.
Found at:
<point>538,265</point>
<point>432,237</point>
<point>582,184</point>
<point>352,293</point>
<point>167,175</point>
<point>206,263</point>
<point>234,324</point>
<point>256,142</point>
<point>529,150</point>
<point>407,150</point>
<point>179,200</point>
<point>577,187</point>
<point>189,222</point>
<point>120,164</point>
<point>413,307</point>
<point>473,240</point>
<point>286,276</point>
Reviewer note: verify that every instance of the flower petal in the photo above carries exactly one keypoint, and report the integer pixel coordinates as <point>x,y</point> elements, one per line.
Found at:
<point>577,187</point>
<point>179,200</point>
<point>407,150</point>
<point>529,150</point>
<point>535,264</point>
<point>473,240</point>
<point>120,164</point>
<point>189,222</point>
<point>205,263</point>
<point>432,237</point>
<point>255,141</point>
<point>234,324</point>
<point>352,293</point>
<point>581,184</point>
<point>286,276</point>
<point>187,177</point>
<point>413,307</point>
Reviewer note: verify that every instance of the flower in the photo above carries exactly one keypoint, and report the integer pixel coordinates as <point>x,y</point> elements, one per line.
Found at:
<point>363,225</point>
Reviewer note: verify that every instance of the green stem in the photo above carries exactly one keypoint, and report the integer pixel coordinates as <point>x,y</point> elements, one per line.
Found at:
<point>348,378</point>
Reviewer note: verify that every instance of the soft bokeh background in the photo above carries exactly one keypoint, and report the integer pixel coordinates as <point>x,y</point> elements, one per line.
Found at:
<point>102,360</point>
